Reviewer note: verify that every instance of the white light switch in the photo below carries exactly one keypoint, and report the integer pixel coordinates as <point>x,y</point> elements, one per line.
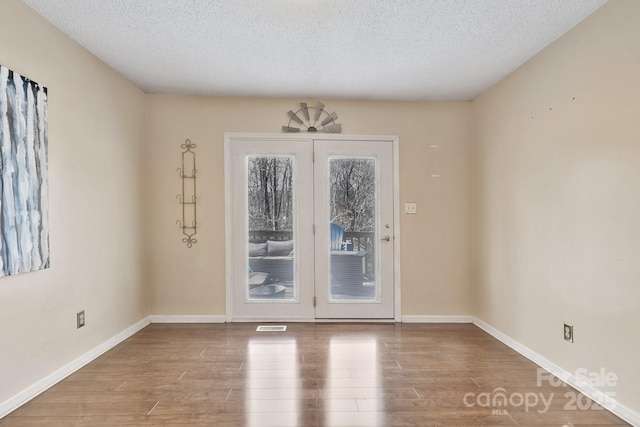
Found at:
<point>410,208</point>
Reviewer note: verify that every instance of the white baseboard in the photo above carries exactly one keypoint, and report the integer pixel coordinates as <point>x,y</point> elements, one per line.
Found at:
<point>187,319</point>
<point>609,403</point>
<point>437,319</point>
<point>44,384</point>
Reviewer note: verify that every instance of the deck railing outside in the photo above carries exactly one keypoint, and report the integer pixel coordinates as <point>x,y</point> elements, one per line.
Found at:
<point>361,240</point>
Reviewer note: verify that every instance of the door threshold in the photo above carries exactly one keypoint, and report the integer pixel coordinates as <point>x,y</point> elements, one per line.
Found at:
<point>355,321</point>
<point>298,320</point>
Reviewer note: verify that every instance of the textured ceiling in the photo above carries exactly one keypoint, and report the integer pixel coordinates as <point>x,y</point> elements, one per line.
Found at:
<point>356,49</point>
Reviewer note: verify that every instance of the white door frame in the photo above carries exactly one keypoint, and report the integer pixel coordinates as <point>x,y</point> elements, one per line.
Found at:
<point>229,137</point>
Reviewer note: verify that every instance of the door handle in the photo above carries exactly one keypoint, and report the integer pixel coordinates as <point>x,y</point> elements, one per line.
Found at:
<point>386,238</point>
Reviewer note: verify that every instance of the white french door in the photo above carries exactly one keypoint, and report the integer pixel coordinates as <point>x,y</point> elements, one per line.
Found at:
<point>310,228</point>
<point>353,212</point>
<point>271,251</point>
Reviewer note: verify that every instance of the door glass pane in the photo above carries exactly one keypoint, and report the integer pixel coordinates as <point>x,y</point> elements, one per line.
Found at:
<point>271,198</point>
<point>352,218</point>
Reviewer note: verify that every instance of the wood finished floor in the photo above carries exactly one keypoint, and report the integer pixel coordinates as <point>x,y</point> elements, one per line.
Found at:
<point>310,375</point>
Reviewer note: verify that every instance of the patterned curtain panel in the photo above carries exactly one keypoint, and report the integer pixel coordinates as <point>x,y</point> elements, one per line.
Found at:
<point>24,204</point>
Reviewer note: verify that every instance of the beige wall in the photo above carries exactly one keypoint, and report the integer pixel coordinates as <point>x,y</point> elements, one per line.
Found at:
<point>435,242</point>
<point>97,207</point>
<point>556,199</point>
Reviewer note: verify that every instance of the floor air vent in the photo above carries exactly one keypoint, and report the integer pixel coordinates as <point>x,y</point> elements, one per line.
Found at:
<point>274,328</point>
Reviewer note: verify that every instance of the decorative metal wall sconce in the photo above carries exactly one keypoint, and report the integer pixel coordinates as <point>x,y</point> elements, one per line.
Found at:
<point>322,120</point>
<point>188,198</point>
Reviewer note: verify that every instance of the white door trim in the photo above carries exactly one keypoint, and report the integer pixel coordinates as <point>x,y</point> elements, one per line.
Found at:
<point>229,137</point>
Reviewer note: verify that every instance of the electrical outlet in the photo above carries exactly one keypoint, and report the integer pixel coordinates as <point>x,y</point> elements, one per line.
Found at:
<point>80,318</point>
<point>410,208</point>
<point>568,332</point>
